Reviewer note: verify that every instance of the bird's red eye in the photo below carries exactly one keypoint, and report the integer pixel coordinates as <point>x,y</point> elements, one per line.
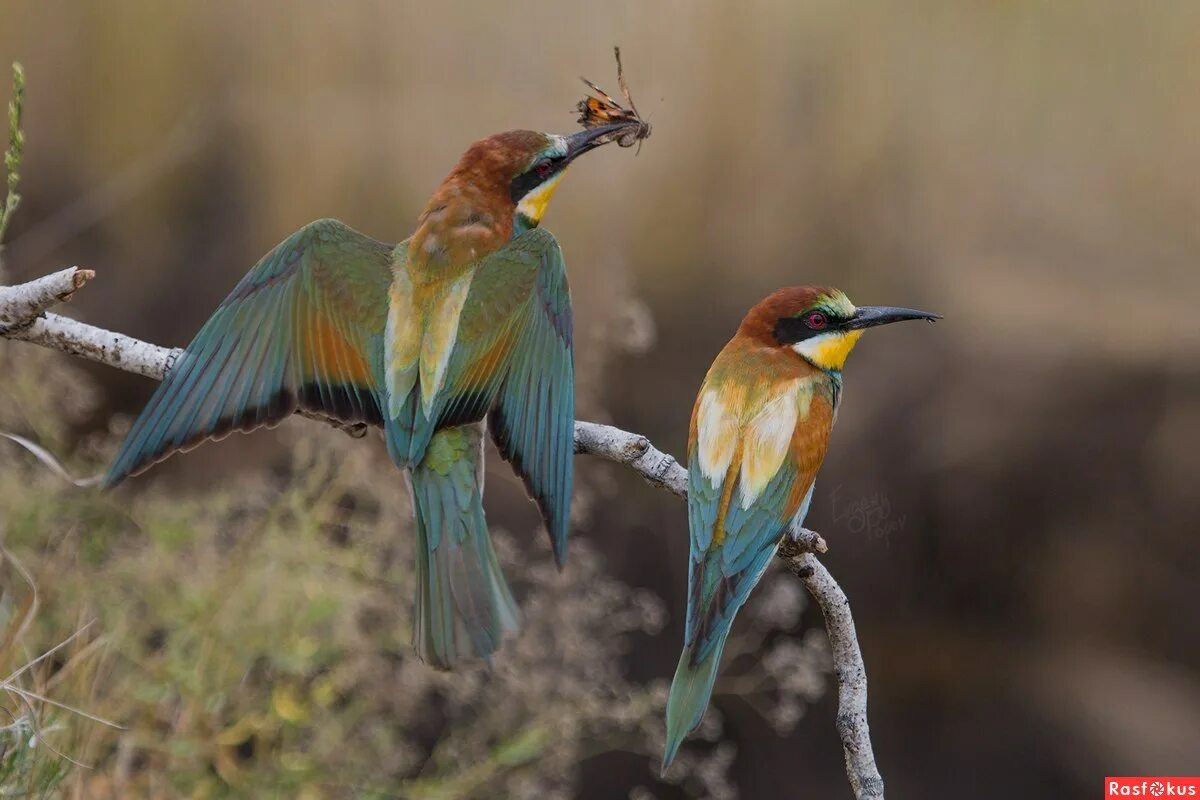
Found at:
<point>544,169</point>
<point>816,320</point>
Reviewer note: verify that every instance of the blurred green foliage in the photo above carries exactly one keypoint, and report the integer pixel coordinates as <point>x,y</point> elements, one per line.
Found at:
<point>207,656</point>
<point>16,146</point>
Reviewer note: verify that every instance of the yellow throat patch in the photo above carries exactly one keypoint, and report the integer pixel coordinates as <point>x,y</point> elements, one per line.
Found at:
<point>828,350</point>
<point>533,205</point>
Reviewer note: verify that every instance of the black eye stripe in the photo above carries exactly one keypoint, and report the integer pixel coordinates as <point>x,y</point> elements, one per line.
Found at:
<point>789,330</point>
<point>529,180</point>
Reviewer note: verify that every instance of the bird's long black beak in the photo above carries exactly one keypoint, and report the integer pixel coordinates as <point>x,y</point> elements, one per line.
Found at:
<point>580,142</point>
<point>870,316</point>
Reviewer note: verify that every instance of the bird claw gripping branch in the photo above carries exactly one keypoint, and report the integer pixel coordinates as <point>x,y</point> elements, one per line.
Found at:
<point>599,108</point>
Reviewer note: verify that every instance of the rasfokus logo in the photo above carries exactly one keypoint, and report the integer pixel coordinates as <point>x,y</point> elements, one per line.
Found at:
<point>1156,786</point>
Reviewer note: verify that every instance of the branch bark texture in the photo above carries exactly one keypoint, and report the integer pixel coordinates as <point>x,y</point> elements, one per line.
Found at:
<point>24,316</point>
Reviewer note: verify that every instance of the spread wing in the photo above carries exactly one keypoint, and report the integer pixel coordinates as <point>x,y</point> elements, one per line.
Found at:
<point>533,420</point>
<point>513,360</point>
<point>747,483</point>
<point>302,330</point>
<point>497,344</point>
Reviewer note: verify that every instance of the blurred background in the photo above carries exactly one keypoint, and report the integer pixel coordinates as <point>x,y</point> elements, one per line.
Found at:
<point>1010,496</point>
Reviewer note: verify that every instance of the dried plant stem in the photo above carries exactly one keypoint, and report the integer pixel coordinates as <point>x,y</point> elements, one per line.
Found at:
<point>12,155</point>
<point>24,316</point>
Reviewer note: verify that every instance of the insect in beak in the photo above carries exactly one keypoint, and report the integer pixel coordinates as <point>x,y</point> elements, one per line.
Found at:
<point>599,109</point>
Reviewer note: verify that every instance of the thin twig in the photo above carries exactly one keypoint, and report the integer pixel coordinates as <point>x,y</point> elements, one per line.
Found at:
<point>21,316</point>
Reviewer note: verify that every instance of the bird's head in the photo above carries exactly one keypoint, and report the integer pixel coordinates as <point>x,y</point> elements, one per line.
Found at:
<point>519,170</point>
<point>819,324</point>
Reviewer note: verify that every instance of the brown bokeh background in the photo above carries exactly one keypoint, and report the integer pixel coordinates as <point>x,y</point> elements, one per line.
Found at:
<point>1010,497</point>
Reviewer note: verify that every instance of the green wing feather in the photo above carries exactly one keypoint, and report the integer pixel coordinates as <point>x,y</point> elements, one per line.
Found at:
<point>302,330</point>
<point>513,361</point>
<point>533,421</point>
<point>722,575</point>
<point>720,579</point>
<point>497,310</point>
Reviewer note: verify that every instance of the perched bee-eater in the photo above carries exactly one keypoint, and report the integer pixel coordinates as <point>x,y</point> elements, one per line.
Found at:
<point>467,320</point>
<point>759,431</point>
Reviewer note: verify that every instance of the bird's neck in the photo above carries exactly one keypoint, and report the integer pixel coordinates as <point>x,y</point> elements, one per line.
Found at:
<point>753,360</point>
<point>465,220</point>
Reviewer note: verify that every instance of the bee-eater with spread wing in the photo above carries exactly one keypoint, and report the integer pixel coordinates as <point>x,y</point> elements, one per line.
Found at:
<point>759,431</point>
<point>467,319</point>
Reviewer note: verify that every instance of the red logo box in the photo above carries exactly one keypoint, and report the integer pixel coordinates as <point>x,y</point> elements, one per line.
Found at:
<point>1151,787</point>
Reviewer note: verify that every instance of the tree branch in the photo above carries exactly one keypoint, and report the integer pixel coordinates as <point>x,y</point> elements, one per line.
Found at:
<point>848,665</point>
<point>24,317</point>
<point>659,469</point>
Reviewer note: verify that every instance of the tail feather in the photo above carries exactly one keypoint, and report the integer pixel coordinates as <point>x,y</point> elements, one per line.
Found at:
<point>714,598</point>
<point>463,605</point>
<point>690,692</point>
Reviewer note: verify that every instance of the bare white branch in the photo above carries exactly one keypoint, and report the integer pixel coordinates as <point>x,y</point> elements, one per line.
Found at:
<point>96,344</point>
<point>848,665</point>
<point>23,316</point>
<point>24,302</point>
<point>658,468</point>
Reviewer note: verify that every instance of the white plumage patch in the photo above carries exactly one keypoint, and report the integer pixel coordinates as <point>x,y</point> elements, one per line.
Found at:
<point>402,342</point>
<point>717,435</point>
<point>439,339</point>
<point>767,439</point>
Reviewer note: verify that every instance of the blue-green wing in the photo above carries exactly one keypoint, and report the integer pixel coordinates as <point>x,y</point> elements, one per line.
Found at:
<point>302,330</point>
<point>533,419</point>
<point>731,547</point>
<point>512,362</point>
<point>722,574</point>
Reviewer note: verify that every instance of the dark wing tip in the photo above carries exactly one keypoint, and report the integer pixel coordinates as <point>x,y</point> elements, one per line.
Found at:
<point>555,520</point>
<point>559,544</point>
